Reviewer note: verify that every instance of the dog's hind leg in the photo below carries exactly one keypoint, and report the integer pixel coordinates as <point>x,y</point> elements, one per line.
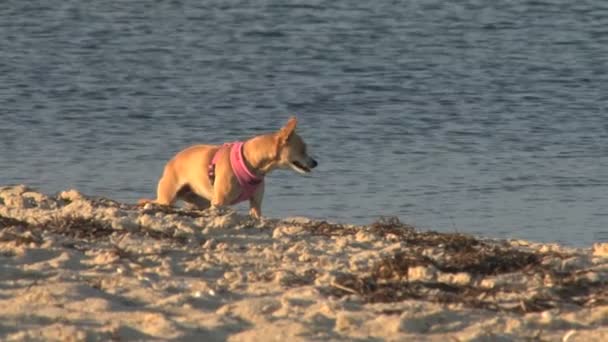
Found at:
<point>192,199</point>
<point>167,189</point>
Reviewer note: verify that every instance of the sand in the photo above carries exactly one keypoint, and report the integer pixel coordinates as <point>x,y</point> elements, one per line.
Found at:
<point>77,268</point>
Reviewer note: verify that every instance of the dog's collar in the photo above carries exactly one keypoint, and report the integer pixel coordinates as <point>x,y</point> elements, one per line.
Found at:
<point>248,181</point>
<point>240,169</point>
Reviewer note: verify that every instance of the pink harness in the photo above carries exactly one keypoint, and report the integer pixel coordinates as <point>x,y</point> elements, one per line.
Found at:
<point>248,181</point>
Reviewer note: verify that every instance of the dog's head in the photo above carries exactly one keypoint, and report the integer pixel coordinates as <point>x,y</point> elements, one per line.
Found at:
<point>291,149</point>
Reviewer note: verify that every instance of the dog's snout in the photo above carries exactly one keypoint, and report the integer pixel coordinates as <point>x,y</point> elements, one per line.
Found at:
<point>313,163</point>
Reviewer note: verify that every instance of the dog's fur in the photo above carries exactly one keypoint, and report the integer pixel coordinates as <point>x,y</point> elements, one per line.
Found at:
<point>186,175</point>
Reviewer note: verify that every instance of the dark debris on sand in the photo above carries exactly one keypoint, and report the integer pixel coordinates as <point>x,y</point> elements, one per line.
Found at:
<point>82,228</point>
<point>327,229</point>
<point>77,227</point>
<point>388,281</point>
<point>10,222</point>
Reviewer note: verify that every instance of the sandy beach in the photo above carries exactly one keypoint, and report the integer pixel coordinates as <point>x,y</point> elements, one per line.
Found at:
<point>79,268</point>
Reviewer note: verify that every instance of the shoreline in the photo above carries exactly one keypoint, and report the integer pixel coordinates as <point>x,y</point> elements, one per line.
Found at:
<point>81,268</point>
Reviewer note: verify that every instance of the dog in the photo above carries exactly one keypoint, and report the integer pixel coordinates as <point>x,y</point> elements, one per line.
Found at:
<point>212,175</point>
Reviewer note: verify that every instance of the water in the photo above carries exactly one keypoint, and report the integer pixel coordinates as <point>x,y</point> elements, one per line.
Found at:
<point>475,116</point>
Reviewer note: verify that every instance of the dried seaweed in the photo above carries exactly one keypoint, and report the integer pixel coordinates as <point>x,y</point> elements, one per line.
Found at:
<point>77,227</point>
<point>388,280</point>
<point>372,290</point>
<point>6,222</point>
<point>488,260</point>
<point>327,229</point>
<point>161,235</point>
<point>461,253</point>
<point>394,228</point>
<point>398,265</point>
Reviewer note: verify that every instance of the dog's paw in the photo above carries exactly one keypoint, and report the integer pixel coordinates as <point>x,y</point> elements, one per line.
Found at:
<point>255,214</point>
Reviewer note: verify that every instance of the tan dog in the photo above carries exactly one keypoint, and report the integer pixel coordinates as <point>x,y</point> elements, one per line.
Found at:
<point>204,175</point>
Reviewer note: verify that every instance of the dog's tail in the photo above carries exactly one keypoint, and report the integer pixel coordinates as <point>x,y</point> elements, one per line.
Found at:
<point>144,201</point>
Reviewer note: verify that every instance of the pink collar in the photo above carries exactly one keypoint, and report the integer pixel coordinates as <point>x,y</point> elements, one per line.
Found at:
<point>248,180</point>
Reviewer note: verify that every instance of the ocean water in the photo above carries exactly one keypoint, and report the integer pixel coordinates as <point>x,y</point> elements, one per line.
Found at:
<point>485,117</point>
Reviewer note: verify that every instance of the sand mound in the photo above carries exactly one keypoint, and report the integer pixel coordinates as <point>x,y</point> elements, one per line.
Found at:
<point>79,268</point>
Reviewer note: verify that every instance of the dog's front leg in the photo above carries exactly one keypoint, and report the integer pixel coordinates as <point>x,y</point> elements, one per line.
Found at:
<point>255,203</point>
<point>221,189</point>
<point>218,201</point>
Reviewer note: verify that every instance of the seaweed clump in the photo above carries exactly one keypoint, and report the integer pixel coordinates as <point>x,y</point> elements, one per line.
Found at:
<point>6,222</point>
<point>76,227</point>
<point>327,229</point>
<point>454,253</point>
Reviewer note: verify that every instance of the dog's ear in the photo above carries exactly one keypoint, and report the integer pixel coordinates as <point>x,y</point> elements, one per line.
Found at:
<point>287,130</point>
